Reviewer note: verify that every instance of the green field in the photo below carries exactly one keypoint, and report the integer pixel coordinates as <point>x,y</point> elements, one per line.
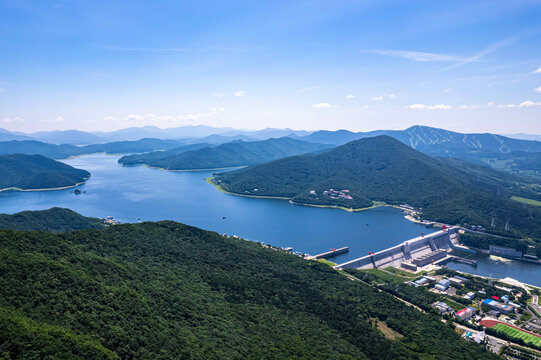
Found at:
<point>528,338</point>
<point>526,200</point>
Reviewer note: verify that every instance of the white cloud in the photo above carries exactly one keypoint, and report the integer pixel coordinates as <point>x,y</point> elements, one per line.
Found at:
<point>507,106</point>
<point>464,107</point>
<point>429,107</point>
<point>219,95</point>
<point>240,93</point>
<point>376,98</point>
<point>392,96</point>
<point>415,55</point>
<point>349,97</point>
<point>490,104</point>
<point>58,119</point>
<point>538,71</point>
<point>538,89</point>
<point>163,120</point>
<point>483,53</point>
<point>447,90</point>
<point>13,120</point>
<point>529,103</point>
<point>323,106</point>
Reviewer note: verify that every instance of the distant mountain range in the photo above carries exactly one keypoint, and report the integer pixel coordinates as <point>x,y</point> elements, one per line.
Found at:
<point>503,153</point>
<point>238,153</point>
<point>76,137</point>
<point>27,172</point>
<point>383,169</point>
<point>434,141</point>
<point>53,151</point>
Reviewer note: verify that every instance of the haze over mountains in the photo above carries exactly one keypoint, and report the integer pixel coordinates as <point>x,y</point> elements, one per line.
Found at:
<point>232,154</point>
<point>503,153</point>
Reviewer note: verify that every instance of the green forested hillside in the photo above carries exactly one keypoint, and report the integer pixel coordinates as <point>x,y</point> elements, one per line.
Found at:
<point>237,153</point>
<point>37,172</point>
<point>53,220</point>
<point>169,291</point>
<point>156,158</point>
<point>53,151</point>
<point>383,169</point>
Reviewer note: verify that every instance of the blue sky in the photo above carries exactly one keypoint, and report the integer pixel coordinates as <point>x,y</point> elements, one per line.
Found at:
<point>471,66</point>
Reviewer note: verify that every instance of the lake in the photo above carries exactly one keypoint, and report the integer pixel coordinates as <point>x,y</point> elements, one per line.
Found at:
<point>131,194</point>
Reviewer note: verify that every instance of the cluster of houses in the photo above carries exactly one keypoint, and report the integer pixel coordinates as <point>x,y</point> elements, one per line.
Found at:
<point>337,194</point>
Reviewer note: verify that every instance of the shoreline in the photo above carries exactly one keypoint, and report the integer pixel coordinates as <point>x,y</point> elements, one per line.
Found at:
<point>186,170</point>
<point>375,205</point>
<point>13,188</point>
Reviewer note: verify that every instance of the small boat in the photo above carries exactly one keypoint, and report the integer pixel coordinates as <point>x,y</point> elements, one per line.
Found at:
<point>223,217</point>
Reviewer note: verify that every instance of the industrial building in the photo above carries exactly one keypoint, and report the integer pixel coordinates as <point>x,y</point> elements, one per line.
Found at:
<point>469,296</point>
<point>429,258</point>
<point>499,307</point>
<point>442,285</point>
<point>505,252</point>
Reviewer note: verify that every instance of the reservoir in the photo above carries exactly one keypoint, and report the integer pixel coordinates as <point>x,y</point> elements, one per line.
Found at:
<point>132,194</point>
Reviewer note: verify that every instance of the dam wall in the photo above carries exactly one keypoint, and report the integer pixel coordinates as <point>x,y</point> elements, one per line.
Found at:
<point>407,251</point>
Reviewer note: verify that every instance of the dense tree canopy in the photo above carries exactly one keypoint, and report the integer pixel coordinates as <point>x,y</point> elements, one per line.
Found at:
<point>165,290</point>
<point>37,172</point>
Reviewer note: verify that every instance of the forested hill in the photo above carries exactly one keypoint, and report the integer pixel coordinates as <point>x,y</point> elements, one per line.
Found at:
<point>37,172</point>
<point>238,153</point>
<point>53,151</point>
<point>500,152</point>
<point>384,169</point>
<point>169,291</point>
<point>52,220</point>
<point>434,141</point>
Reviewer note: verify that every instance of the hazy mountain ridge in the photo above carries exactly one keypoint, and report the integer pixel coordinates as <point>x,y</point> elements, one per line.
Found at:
<point>226,155</point>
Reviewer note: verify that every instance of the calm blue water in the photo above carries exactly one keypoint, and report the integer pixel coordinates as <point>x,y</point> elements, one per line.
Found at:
<point>132,193</point>
<point>501,268</point>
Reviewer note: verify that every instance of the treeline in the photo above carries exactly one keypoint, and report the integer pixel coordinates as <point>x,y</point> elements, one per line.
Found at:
<point>52,220</point>
<point>166,290</point>
<point>37,172</point>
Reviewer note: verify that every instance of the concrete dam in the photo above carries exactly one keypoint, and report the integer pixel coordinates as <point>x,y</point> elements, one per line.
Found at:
<point>414,252</point>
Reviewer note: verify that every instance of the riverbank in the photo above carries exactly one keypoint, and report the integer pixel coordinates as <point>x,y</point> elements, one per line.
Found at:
<point>220,188</point>
<point>44,189</point>
<point>185,170</point>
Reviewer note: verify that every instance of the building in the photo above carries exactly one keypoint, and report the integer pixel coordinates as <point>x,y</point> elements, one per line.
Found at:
<point>409,266</point>
<point>469,296</point>
<point>442,285</point>
<point>430,257</point>
<point>499,307</point>
<point>465,313</point>
<point>456,280</point>
<point>505,252</point>
<point>478,338</point>
<point>422,281</point>
<point>443,307</point>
